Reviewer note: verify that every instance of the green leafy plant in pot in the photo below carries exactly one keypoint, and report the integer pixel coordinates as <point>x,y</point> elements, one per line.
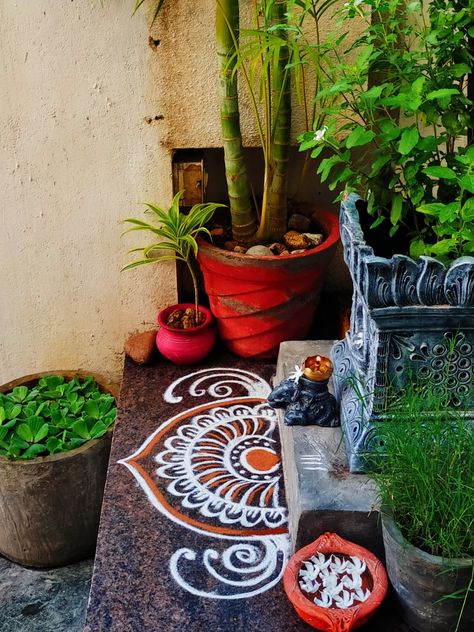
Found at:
<point>397,136</point>
<point>55,436</point>
<point>397,133</point>
<point>261,299</point>
<point>424,471</point>
<point>186,334</point>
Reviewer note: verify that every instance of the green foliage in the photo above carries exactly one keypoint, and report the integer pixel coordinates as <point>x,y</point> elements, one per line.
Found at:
<point>424,468</point>
<point>398,132</point>
<point>270,57</point>
<point>53,416</point>
<point>176,233</point>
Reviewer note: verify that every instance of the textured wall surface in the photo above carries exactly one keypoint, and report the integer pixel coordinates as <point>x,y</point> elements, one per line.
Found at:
<point>91,111</point>
<point>77,156</point>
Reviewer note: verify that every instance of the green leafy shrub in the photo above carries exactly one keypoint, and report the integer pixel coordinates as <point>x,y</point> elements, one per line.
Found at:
<point>397,130</point>
<point>53,416</point>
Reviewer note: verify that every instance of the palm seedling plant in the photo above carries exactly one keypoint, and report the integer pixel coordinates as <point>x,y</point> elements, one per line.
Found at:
<point>175,238</point>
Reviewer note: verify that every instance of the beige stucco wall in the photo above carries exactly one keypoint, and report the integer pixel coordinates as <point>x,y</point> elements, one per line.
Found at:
<point>76,157</point>
<point>80,148</point>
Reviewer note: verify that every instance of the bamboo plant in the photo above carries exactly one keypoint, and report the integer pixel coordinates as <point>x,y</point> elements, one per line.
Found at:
<point>267,58</point>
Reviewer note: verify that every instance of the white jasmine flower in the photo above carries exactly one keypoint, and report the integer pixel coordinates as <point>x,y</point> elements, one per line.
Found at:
<point>353,581</point>
<point>345,600</point>
<point>360,595</point>
<point>320,133</point>
<point>331,583</point>
<point>295,376</point>
<point>338,566</point>
<point>322,561</point>
<point>314,587</point>
<point>324,601</point>
<point>357,565</point>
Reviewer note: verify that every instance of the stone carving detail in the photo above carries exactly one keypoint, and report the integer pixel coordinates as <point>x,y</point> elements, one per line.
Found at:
<point>430,284</point>
<point>379,282</point>
<point>380,350</point>
<point>459,283</point>
<point>400,280</point>
<point>404,281</point>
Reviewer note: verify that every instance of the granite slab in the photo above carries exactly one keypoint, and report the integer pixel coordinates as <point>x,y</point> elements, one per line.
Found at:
<point>157,562</point>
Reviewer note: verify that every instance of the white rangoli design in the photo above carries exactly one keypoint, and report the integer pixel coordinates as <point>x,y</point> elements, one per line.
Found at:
<point>216,470</point>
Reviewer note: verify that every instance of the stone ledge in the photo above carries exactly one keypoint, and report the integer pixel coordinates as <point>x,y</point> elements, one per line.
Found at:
<point>322,494</point>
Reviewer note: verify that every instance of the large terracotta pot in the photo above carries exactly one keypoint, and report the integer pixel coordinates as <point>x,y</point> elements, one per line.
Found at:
<point>421,581</point>
<point>260,301</point>
<point>185,346</point>
<point>50,506</point>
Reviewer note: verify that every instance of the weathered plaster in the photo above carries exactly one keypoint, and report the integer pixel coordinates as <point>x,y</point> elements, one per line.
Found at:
<point>89,117</point>
<point>77,157</point>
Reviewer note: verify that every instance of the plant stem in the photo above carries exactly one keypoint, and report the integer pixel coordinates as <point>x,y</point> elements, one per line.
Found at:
<point>227,25</point>
<point>273,225</point>
<point>196,293</point>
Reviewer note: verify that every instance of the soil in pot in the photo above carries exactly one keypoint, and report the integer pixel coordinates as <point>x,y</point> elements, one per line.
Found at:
<point>179,339</point>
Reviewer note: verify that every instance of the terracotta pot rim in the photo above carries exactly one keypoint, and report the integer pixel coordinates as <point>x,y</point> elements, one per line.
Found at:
<point>374,566</point>
<point>330,223</point>
<point>67,454</point>
<point>392,528</point>
<point>167,310</point>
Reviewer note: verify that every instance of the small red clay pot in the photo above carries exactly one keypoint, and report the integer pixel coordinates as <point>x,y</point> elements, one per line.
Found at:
<point>185,346</point>
<point>335,619</point>
<point>260,301</point>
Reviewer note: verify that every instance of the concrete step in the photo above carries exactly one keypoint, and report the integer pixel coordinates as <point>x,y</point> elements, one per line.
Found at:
<point>322,494</point>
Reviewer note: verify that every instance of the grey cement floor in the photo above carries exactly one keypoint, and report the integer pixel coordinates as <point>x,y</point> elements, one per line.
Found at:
<point>43,600</point>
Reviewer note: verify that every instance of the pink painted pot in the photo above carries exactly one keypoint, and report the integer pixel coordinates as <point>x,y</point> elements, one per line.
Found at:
<point>333,619</point>
<point>185,346</point>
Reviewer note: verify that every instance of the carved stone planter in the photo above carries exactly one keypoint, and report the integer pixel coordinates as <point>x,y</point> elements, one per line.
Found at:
<point>408,318</point>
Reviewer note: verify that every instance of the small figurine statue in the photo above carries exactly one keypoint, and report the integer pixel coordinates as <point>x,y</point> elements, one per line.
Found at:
<point>305,396</point>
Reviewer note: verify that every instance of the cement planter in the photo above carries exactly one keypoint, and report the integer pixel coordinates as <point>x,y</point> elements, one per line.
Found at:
<point>50,506</point>
<point>420,580</point>
<point>260,301</point>
<point>408,318</point>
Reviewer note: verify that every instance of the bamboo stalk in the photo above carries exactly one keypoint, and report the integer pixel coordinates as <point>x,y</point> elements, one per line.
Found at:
<point>243,215</point>
<point>281,129</point>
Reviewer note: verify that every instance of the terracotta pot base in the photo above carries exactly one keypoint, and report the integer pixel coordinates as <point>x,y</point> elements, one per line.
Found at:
<point>260,301</point>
